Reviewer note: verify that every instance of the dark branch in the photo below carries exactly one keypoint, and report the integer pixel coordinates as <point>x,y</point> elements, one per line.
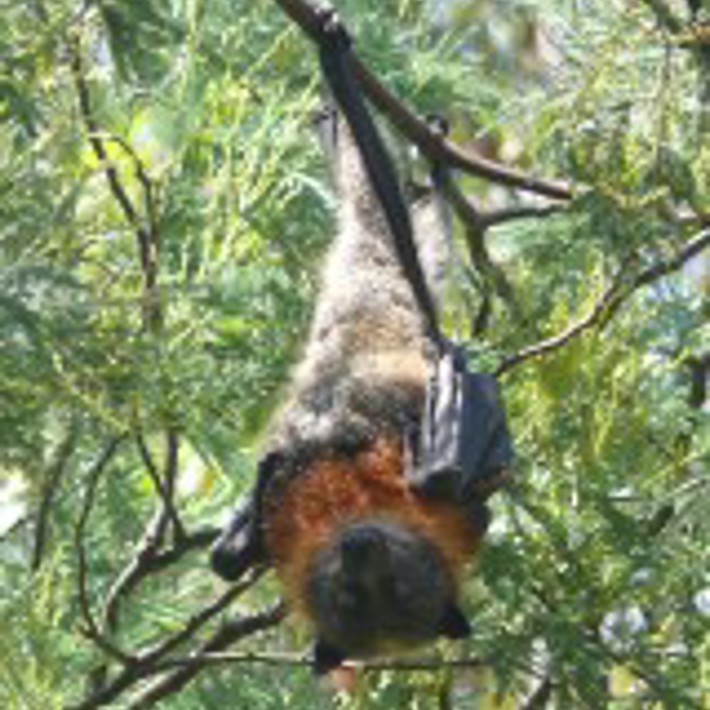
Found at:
<point>147,238</point>
<point>145,663</point>
<point>430,142</point>
<point>509,214</point>
<point>97,144</point>
<point>197,621</point>
<point>230,633</point>
<point>595,315</point>
<point>145,181</point>
<point>90,629</point>
<point>699,369</point>
<point>147,558</point>
<point>164,485</point>
<point>146,564</point>
<point>426,663</point>
<point>610,302</point>
<point>53,478</point>
<point>476,224</point>
<point>692,249</point>
<point>172,444</point>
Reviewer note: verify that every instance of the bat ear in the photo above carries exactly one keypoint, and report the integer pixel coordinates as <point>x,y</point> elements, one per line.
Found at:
<point>453,624</point>
<point>326,657</point>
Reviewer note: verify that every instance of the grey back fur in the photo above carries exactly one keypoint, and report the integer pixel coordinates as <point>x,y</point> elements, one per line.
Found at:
<point>363,370</point>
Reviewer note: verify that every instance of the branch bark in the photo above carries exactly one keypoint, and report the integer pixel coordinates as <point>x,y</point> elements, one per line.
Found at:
<point>165,484</point>
<point>149,662</point>
<point>53,477</point>
<point>90,628</point>
<point>148,557</point>
<point>431,143</point>
<point>610,302</point>
<point>144,565</point>
<point>230,633</point>
<point>476,224</point>
<point>197,621</point>
<point>412,664</point>
<point>146,236</point>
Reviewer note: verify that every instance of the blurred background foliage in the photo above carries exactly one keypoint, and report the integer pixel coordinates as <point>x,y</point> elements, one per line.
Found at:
<point>594,588</point>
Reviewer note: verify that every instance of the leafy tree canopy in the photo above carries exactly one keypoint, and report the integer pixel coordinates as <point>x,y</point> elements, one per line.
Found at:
<point>164,206</point>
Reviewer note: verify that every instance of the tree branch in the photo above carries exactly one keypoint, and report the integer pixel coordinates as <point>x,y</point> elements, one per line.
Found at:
<point>172,444</point>
<point>165,485</point>
<point>97,144</point>
<point>230,633</point>
<point>609,302</point>
<point>145,181</point>
<point>90,628</point>
<point>476,224</point>
<point>199,619</point>
<point>53,477</point>
<point>147,238</point>
<point>145,663</point>
<point>509,214</point>
<point>554,343</point>
<point>431,143</point>
<point>144,565</point>
<point>147,558</point>
<point>415,664</point>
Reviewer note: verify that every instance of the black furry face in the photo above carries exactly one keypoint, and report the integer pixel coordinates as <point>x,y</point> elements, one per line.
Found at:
<point>379,585</point>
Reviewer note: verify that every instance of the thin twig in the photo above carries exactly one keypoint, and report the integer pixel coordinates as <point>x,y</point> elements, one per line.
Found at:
<point>610,301</point>
<point>476,223</point>
<point>97,144</point>
<point>198,620</point>
<point>226,636</point>
<point>549,345</point>
<point>515,212</point>
<point>144,179</point>
<point>432,144</point>
<point>143,565</point>
<point>164,485</point>
<point>53,478</point>
<point>90,628</point>
<point>172,447</point>
<point>425,663</point>
<point>147,238</point>
<point>145,663</point>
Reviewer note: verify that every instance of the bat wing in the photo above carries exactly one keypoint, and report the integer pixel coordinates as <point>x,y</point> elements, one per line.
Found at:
<point>238,547</point>
<point>464,451</point>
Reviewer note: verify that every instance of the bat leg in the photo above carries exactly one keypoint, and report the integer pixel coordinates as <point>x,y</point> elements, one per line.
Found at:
<point>326,657</point>
<point>454,624</point>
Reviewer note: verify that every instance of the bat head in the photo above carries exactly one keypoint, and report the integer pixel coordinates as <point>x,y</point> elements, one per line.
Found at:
<point>377,586</point>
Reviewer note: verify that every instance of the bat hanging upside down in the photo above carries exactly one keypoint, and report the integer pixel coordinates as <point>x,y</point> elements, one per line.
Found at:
<point>369,560</point>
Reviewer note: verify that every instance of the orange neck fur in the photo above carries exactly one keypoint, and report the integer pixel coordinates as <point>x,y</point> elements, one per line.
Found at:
<point>336,492</point>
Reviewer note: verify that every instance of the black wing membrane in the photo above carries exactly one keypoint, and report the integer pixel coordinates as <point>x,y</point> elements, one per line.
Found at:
<point>464,449</point>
